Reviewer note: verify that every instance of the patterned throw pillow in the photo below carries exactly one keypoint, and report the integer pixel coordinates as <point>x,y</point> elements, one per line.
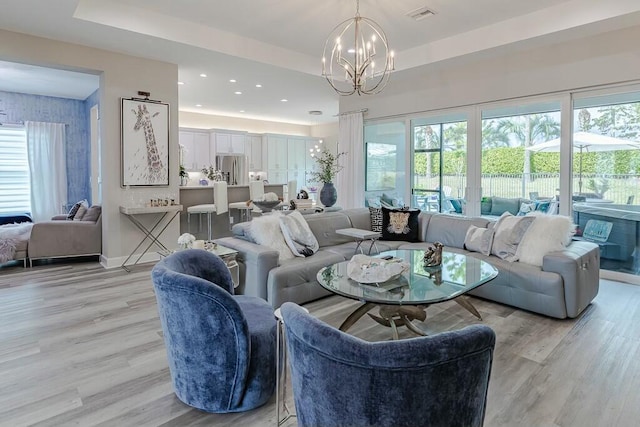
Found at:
<point>400,224</point>
<point>376,219</point>
<point>74,209</point>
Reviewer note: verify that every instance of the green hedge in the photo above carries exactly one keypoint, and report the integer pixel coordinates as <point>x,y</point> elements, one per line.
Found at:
<point>510,160</point>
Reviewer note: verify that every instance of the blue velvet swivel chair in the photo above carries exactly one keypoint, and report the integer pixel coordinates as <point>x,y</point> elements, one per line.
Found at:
<point>221,347</point>
<point>340,380</point>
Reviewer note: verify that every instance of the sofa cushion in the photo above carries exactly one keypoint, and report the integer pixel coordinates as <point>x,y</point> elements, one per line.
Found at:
<point>359,217</point>
<point>500,205</point>
<point>509,231</point>
<point>298,235</point>
<point>324,225</point>
<point>400,224</point>
<point>479,239</point>
<point>485,206</point>
<point>451,230</point>
<point>376,219</point>
<point>93,213</point>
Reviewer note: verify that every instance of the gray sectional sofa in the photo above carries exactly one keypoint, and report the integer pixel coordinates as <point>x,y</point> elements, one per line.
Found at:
<point>563,287</point>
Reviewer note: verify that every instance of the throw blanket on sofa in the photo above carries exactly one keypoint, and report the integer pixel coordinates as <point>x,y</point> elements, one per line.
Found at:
<point>10,236</point>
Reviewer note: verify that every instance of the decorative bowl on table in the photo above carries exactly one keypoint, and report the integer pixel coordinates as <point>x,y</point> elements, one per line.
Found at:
<point>266,206</point>
<point>366,269</point>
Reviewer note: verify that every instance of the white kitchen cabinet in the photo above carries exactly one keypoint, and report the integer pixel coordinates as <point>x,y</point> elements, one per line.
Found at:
<point>276,153</point>
<point>253,148</point>
<point>296,154</point>
<point>229,143</point>
<point>196,153</point>
<point>277,176</point>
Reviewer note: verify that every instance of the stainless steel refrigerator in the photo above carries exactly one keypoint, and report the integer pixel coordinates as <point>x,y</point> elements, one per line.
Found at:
<point>234,168</point>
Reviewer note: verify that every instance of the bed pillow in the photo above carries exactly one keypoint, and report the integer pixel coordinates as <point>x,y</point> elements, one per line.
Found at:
<point>400,224</point>
<point>266,231</point>
<point>508,232</point>
<point>479,239</point>
<point>298,235</point>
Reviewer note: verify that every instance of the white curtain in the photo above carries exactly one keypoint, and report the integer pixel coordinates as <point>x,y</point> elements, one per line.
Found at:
<point>350,181</point>
<point>47,168</point>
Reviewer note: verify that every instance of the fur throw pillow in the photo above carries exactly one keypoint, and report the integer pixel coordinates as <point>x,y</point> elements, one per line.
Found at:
<point>547,233</point>
<point>266,231</point>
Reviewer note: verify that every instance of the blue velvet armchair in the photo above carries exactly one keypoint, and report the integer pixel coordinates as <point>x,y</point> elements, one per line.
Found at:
<point>340,380</point>
<point>221,347</point>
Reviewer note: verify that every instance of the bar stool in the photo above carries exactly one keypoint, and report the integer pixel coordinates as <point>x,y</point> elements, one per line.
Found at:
<point>220,206</point>
<point>256,190</point>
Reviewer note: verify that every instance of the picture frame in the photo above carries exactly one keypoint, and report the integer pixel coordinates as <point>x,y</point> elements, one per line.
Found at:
<point>145,143</point>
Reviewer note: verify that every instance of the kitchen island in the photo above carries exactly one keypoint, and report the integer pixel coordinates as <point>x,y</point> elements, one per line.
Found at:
<point>200,194</point>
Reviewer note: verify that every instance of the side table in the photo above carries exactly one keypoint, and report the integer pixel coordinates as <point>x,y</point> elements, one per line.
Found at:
<point>360,236</point>
<point>152,233</point>
<point>281,372</point>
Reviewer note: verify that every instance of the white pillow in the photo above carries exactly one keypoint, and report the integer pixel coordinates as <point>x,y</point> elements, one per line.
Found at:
<point>548,233</point>
<point>508,232</point>
<point>298,235</point>
<point>265,230</point>
<point>479,239</point>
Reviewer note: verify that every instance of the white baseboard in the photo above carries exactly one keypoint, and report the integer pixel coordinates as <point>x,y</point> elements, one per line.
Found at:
<point>116,262</point>
<point>620,277</point>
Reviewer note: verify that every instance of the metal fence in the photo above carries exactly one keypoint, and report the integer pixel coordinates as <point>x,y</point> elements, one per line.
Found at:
<point>618,188</point>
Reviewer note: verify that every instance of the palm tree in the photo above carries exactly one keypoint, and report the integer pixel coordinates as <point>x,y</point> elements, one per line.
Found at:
<point>527,130</point>
<point>492,136</point>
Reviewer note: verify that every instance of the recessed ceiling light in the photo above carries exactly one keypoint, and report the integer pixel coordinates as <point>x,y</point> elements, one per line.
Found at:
<point>315,112</point>
<point>232,81</point>
<point>180,83</point>
<point>258,85</point>
<point>284,100</point>
<point>198,105</point>
<point>238,92</point>
<point>203,75</point>
<point>242,111</point>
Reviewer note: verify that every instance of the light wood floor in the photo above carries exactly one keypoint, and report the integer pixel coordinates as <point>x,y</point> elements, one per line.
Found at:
<point>80,345</point>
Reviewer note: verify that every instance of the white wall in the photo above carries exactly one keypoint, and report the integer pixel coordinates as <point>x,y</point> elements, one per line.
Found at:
<point>507,72</point>
<point>120,76</point>
<point>208,121</point>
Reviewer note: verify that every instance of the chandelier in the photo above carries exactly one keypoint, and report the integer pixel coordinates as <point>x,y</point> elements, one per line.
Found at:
<point>350,53</point>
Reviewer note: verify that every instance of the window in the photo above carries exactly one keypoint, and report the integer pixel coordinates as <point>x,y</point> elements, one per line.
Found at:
<point>385,163</point>
<point>512,165</point>
<point>15,189</point>
<point>439,163</point>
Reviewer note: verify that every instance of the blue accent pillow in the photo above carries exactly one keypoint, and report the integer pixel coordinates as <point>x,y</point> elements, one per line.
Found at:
<point>457,205</point>
<point>542,206</point>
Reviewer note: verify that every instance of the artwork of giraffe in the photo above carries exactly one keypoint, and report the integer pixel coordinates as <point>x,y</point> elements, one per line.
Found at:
<point>155,171</point>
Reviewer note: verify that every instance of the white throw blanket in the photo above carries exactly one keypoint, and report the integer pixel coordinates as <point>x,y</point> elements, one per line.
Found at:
<point>10,236</point>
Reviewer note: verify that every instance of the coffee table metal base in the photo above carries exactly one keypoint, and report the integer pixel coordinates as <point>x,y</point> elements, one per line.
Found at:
<point>393,316</point>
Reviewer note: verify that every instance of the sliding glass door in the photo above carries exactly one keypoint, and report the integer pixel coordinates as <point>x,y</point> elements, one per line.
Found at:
<point>439,163</point>
<point>385,151</point>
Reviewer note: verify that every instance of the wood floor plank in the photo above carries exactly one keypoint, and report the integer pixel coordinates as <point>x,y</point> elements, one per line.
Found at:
<point>80,345</point>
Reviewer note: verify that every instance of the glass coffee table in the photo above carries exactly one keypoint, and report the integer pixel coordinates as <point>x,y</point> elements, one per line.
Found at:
<point>406,298</point>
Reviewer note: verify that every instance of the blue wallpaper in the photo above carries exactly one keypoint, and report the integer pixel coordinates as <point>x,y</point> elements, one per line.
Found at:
<point>21,107</point>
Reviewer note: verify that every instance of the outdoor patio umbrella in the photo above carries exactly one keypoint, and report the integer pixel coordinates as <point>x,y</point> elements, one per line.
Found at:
<point>587,142</point>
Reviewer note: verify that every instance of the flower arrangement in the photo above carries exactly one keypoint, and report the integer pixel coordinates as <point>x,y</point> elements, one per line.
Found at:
<point>212,173</point>
<point>328,166</point>
<point>185,241</point>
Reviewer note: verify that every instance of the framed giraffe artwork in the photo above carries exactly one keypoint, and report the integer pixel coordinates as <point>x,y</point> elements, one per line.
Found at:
<point>145,143</point>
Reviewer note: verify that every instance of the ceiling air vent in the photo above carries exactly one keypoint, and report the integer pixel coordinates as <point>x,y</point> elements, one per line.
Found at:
<point>420,13</point>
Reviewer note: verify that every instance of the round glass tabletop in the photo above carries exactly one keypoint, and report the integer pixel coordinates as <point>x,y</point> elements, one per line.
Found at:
<point>457,275</point>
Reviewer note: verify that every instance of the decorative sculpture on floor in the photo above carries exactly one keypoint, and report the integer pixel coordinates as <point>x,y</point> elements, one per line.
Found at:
<point>433,255</point>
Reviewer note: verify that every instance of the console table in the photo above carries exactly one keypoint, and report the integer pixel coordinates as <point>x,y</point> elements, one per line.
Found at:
<point>167,214</point>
